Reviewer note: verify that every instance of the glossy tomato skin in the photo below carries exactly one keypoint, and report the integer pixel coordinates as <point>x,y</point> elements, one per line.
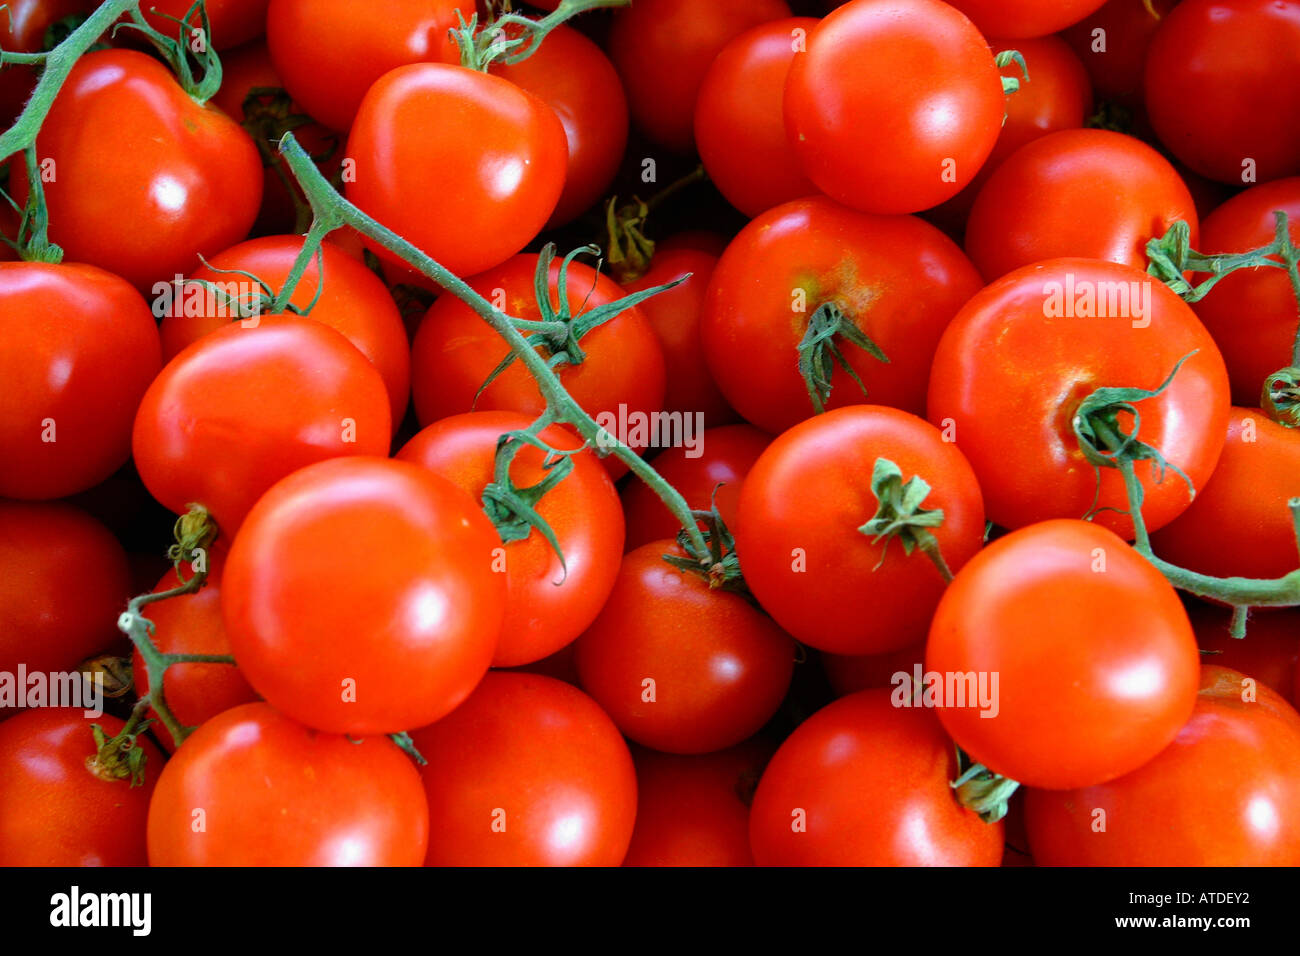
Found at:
<point>130,147</point>
<point>1012,417</point>
<point>1211,68</point>
<point>879,145</point>
<point>717,667</point>
<point>1226,792</point>
<point>740,118</point>
<point>1270,651</point>
<point>528,772</point>
<point>466,165</point>
<point>900,280</point>
<point>78,348</point>
<point>548,603</point>
<point>53,810</point>
<point>807,810</point>
<point>797,536</point>
<point>1025,18</point>
<point>232,21</point>
<point>360,596</point>
<point>320,799</point>
<point>1115,61</point>
<point>1095,660</point>
<point>23,31</point>
<point>1090,193</point>
<point>217,427</point>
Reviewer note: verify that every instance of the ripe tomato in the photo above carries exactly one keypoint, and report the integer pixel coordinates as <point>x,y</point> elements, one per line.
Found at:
<point>1013,418</point>
<point>548,604</point>
<point>217,427</point>
<point>808,809</point>
<point>22,30</point>
<point>54,810</point>
<point>898,279</point>
<point>848,674</point>
<point>679,666</point>
<point>319,799</point>
<point>740,119</point>
<point>78,348</point>
<point>663,48</point>
<point>1115,58</point>
<point>465,165</point>
<point>1025,18</point>
<point>881,145</point>
<point>1094,659</point>
<point>232,21</point>
<point>797,533</point>
<point>1269,652</point>
<point>1226,792</point>
<point>527,772</point>
<point>144,179</point>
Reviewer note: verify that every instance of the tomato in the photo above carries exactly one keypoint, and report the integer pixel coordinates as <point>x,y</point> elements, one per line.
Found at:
<point>881,145</point>
<point>1226,792</point>
<point>662,50</point>
<point>527,772</point>
<point>1115,57</point>
<point>898,279</point>
<point>232,21</point>
<point>319,799</point>
<point>548,603</point>
<point>694,811</point>
<point>1080,192</point>
<point>1094,659</point>
<point>1223,88</point>
<point>78,348</point>
<point>679,666</point>
<point>740,120</point>
<point>722,458</point>
<point>797,533</point>
<point>1269,652</point>
<point>217,427</point>
<point>146,179</point>
<point>467,166</point>
<point>361,42</point>
<point>1012,416</point>
<point>701,240</point>
<point>851,673</point>
<point>22,30</point>
<point>1025,18</point>
<point>354,302</point>
<point>809,806</point>
<point>54,810</point>
<point>560,665</point>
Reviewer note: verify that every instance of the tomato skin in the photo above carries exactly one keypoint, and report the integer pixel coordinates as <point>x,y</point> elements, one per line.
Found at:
<point>543,754</point>
<point>368,571</point>
<point>320,799</point>
<point>1269,652</point>
<point>1097,670</point>
<point>465,165</point>
<point>130,147</point>
<point>848,674</point>
<point>1226,792</point>
<point>1033,470</point>
<point>78,348</point>
<point>797,533</point>
<point>583,510</point>
<point>898,278</point>
<point>840,754</point>
<point>23,31</point>
<point>232,21</point>
<point>720,667</point>
<point>1025,18</point>
<point>215,428</point>
<point>740,119</point>
<point>53,810</point>
<point>1129,25</point>
<point>879,145</point>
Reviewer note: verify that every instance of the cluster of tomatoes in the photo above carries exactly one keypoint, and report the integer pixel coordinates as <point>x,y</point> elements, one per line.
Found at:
<point>958,451</point>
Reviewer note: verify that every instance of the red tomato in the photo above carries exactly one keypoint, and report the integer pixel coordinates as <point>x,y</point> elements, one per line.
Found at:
<point>527,772</point>
<point>146,179</point>
<point>78,348</point>
<point>548,604</point>
<point>1013,419</point>
<point>898,279</point>
<point>22,30</point>
<point>318,799</point>
<point>740,119</point>
<point>1094,661</point>
<point>1269,652</point>
<point>232,21</point>
<point>1226,792</point>
<point>809,811</point>
<point>1025,18</point>
<point>679,666</point>
<point>797,534</point>
<point>54,810</point>
<point>848,674</point>
<point>218,428</point>
<point>560,665</point>
<point>701,240</point>
<point>663,48</point>
<point>468,167</point>
<point>881,145</point>
<point>1115,57</point>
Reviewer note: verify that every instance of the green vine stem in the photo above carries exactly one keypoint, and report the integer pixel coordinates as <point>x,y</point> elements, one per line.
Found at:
<point>509,38</point>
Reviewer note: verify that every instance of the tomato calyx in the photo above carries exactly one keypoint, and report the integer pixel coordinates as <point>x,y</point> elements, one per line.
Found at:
<point>113,673</point>
<point>819,352</point>
<point>717,563</point>
<point>118,757</point>
<point>980,790</point>
<point>1011,84</point>
<point>629,249</point>
<point>900,515</point>
<point>201,84</point>
<point>1281,397</point>
<point>407,746</point>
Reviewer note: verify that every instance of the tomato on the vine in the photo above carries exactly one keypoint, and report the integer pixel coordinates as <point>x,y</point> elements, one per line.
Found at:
<point>1270,651</point>
<point>22,30</point>
<point>232,21</point>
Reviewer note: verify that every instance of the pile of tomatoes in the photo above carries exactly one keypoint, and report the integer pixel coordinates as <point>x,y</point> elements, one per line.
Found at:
<point>977,504</point>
